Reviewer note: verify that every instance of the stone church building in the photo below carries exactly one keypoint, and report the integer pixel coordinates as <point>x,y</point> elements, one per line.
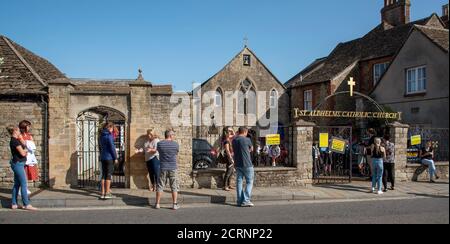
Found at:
<point>243,93</point>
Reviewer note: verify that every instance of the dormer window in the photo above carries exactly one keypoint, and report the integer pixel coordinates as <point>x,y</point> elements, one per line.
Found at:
<point>247,60</point>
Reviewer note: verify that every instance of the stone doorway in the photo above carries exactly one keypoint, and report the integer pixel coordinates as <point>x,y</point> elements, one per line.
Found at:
<point>89,125</point>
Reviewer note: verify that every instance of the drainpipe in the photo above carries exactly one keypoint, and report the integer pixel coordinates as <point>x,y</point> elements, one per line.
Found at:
<point>45,145</point>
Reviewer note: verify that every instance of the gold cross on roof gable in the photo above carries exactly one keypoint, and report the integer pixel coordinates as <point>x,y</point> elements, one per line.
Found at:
<point>351,83</point>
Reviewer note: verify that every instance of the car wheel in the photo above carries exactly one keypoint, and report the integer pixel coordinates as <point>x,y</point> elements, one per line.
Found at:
<point>202,164</point>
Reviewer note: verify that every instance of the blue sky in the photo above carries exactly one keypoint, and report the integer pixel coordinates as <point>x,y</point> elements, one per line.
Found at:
<point>182,41</point>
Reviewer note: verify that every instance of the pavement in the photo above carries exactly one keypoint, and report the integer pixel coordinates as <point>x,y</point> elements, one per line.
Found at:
<point>419,210</point>
<point>78,198</point>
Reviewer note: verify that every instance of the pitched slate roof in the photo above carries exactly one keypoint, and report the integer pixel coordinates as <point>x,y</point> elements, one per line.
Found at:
<point>436,35</point>
<point>23,71</point>
<point>318,63</point>
<point>383,41</point>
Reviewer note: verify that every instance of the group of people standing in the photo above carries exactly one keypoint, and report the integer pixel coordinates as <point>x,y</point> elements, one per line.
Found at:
<point>237,150</point>
<point>381,158</point>
<point>160,157</point>
<point>23,163</point>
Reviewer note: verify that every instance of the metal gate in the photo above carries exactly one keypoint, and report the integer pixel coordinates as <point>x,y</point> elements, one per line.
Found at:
<point>333,166</point>
<point>88,153</point>
<point>214,135</point>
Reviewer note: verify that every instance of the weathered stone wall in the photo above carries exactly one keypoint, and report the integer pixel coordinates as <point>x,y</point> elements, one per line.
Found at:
<point>410,172</point>
<point>160,121</point>
<point>399,136</point>
<point>140,112</point>
<point>62,137</point>
<point>417,172</point>
<point>12,112</point>
<point>264,177</point>
<point>303,141</point>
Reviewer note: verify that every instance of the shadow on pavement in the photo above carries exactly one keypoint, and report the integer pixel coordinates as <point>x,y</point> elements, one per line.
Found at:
<point>345,187</point>
<point>428,195</point>
<point>215,199</point>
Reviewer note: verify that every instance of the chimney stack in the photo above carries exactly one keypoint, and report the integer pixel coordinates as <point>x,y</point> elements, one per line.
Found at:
<point>445,15</point>
<point>396,12</point>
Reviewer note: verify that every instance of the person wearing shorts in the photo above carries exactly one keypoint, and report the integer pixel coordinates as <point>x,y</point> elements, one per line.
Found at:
<point>168,151</point>
<point>108,157</point>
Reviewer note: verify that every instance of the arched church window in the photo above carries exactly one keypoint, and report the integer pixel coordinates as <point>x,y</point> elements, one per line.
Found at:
<point>247,98</point>
<point>273,99</point>
<point>218,98</point>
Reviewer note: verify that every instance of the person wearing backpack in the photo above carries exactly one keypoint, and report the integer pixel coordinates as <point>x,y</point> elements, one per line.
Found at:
<point>274,153</point>
<point>389,164</point>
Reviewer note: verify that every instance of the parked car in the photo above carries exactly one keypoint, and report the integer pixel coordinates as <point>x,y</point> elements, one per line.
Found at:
<point>203,154</point>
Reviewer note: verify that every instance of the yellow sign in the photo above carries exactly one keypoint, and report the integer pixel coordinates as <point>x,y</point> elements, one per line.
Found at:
<point>416,140</point>
<point>338,145</point>
<point>345,114</point>
<point>273,140</point>
<point>323,140</point>
<point>412,154</point>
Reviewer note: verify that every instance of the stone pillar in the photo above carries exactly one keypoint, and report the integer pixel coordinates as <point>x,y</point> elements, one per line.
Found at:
<point>139,122</point>
<point>62,162</point>
<point>303,141</point>
<point>399,136</point>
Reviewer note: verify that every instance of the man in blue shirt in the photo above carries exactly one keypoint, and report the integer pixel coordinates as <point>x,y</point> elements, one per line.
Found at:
<point>243,147</point>
<point>168,151</point>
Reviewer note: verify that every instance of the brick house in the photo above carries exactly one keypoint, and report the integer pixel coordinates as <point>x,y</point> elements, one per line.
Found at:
<point>366,58</point>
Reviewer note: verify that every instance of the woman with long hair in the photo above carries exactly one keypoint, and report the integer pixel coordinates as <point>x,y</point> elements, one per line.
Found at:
<point>19,158</point>
<point>227,149</point>
<point>31,169</point>
<point>152,158</point>
<point>378,153</point>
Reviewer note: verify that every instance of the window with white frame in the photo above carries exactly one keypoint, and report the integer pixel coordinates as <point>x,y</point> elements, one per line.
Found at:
<point>273,98</point>
<point>378,71</point>
<point>218,99</point>
<point>307,98</point>
<point>416,80</point>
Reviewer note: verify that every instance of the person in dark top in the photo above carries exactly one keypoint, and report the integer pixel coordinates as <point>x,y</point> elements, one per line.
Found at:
<point>227,149</point>
<point>389,163</point>
<point>427,155</point>
<point>243,147</point>
<point>108,156</point>
<point>373,135</point>
<point>19,158</point>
